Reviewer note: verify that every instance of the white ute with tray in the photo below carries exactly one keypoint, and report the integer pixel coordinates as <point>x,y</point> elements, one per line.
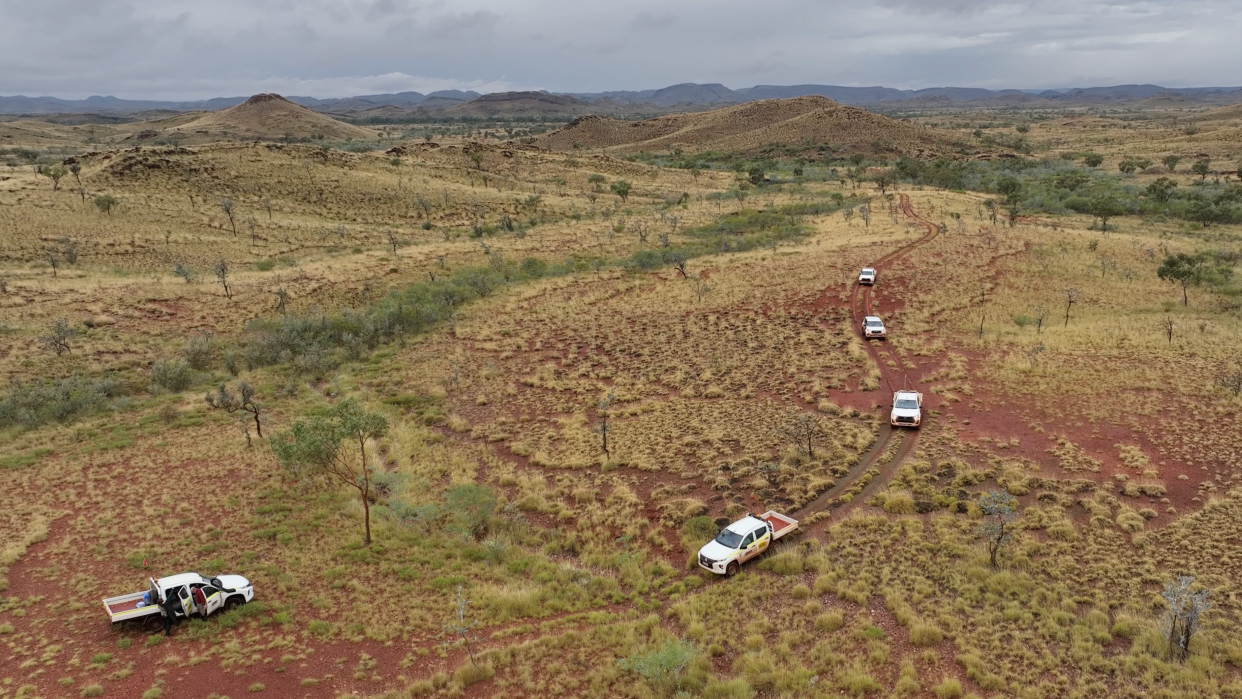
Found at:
<point>221,592</point>
<point>743,540</point>
<point>907,409</point>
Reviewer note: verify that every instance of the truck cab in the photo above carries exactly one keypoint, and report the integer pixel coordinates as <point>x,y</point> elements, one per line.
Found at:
<point>867,276</point>
<point>872,326</point>
<point>907,409</point>
<point>743,540</point>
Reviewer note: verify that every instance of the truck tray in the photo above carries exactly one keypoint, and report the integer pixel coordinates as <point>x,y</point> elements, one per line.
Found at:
<point>781,524</point>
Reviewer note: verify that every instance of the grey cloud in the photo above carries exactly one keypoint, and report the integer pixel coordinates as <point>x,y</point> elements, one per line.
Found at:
<point>653,20</point>
<point>188,49</point>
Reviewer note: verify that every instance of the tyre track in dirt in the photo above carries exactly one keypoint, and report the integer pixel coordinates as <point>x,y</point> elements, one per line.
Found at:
<point>861,301</point>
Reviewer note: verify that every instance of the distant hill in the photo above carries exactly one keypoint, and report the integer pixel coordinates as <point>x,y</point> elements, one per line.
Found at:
<point>270,116</point>
<point>802,122</point>
<point>680,97</point>
<point>515,104</point>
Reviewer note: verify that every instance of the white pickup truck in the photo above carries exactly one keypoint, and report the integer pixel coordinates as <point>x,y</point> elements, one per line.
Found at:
<point>867,276</point>
<point>907,409</point>
<point>743,540</point>
<point>872,326</point>
<point>221,592</point>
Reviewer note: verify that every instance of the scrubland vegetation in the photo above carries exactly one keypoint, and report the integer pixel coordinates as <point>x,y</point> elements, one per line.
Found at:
<point>465,414</point>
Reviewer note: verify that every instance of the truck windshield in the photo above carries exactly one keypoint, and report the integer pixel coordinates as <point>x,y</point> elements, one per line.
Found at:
<point>906,404</point>
<point>729,539</point>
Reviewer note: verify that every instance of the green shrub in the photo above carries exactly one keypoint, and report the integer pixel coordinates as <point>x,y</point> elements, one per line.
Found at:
<point>733,689</point>
<point>662,665</point>
<point>61,400</point>
<point>925,635</point>
<point>858,682</point>
<point>830,621</point>
<point>785,563</point>
<point>95,690</point>
<point>265,265</point>
<point>899,504</point>
<point>467,675</point>
<point>172,375</point>
<point>471,506</point>
<point>948,689</point>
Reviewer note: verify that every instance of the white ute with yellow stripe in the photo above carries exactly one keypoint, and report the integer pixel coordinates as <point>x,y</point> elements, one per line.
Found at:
<point>743,540</point>
<point>222,592</point>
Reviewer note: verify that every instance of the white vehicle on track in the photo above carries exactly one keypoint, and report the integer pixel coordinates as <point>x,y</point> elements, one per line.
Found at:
<point>743,540</point>
<point>907,409</point>
<point>872,326</point>
<point>867,276</point>
<point>190,593</point>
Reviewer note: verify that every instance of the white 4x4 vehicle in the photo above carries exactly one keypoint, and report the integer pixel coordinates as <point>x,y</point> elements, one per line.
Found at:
<point>907,409</point>
<point>867,276</point>
<point>872,326</point>
<point>217,593</point>
<point>743,540</point>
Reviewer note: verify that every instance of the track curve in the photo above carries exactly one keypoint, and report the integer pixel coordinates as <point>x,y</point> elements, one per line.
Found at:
<point>861,302</point>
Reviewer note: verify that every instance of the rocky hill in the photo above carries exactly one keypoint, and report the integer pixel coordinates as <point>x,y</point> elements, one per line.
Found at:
<point>270,116</point>
<point>804,122</point>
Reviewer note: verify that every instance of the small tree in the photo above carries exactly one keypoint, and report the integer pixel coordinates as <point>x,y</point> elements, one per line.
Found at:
<point>243,401</point>
<point>1183,269</point>
<point>864,212</point>
<point>1104,207</point>
<point>226,205</point>
<point>848,215</point>
<point>678,260</point>
<point>54,173</point>
<point>1071,298</point>
<point>459,627</point>
<point>1092,159</point>
<point>884,180</point>
<point>318,446</point>
<point>76,169</point>
<point>1202,168</point>
<point>180,270</point>
<point>1170,162</point>
<point>1000,509</point>
<point>804,431</point>
<point>1040,314</point>
<point>1166,326</point>
<point>621,188</point>
<point>105,203</point>
<point>1181,618</point>
<point>603,408</point>
<point>222,275</point>
<point>53,260</point>
<point>1162,189</point>
<point>57,339</point>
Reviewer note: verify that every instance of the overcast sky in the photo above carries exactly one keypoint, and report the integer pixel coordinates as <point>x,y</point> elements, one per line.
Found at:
<point>178,49</point>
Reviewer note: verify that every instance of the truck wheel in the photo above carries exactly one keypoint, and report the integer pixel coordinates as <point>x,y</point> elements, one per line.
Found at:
<point>232,603</point>
<point>731,569</point>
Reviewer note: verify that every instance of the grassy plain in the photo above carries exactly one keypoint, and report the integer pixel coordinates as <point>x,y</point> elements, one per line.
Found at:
<point>1117,441</point>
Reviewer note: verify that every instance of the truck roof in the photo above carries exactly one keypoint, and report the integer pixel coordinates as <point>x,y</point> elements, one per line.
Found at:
<point>906,393</point>
<point>180,579</point>
<point>745,525</point>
